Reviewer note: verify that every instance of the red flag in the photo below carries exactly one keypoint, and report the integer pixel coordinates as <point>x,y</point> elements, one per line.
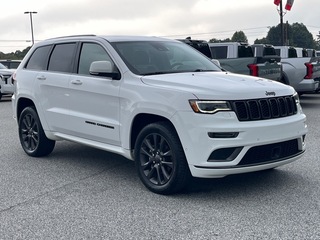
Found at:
<point>289,5</point>
<point>277,2</point>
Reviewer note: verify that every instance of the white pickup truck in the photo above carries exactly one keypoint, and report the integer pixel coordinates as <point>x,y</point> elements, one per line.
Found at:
<point>258,60</point>
<point>299,71</point>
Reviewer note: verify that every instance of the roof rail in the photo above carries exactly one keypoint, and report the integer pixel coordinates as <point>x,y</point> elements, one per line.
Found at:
<point>70,36</point>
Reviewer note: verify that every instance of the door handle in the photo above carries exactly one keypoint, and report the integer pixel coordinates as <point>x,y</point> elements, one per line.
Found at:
<point>41,77</point>
<point>76,82</point>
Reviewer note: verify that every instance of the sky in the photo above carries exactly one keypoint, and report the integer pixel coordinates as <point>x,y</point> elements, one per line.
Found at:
<point>199,19</point>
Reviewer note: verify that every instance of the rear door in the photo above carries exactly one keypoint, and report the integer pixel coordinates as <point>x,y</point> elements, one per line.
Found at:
<point>50,66</point>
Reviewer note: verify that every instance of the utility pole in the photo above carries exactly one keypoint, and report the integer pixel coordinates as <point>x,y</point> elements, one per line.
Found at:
<point>281,23</point>
<point>288,7</point>
<point>30,13</point>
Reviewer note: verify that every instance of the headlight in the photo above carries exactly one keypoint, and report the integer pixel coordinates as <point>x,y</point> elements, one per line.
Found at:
<point>296,98</point>
<point>209,107</point>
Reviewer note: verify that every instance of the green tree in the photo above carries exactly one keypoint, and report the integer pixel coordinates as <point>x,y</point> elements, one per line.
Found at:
<point>17,55</point>
<point>261,41</point>
<point>215,40</point>
<point>296,35</point>
<point>239,37</point>
<point>317,42</point>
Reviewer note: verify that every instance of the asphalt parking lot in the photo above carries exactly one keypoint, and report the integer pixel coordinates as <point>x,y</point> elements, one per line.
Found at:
<point>79,192</point>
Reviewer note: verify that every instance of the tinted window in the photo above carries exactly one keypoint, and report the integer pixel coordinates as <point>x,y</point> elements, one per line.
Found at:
<point>2,66</point>
<point>91,52</point>
<point>219,52</point>
<point>304,53</point>
<point>292,53</point>
<point>38,60</point>
<point>163,57</point>
<point>200,45</point>
<point>268,51</point>
<point>245,51</point>
<point>61,59</point>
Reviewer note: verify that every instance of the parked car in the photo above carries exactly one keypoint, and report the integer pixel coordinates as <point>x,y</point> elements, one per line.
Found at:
<point>158,102</point>
<point>10,64</point>
<point>6,86</point>
<point>299,70</point>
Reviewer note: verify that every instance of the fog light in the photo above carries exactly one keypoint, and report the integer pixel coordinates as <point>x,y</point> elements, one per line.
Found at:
<point>223,134</point>
<point>225,154</point>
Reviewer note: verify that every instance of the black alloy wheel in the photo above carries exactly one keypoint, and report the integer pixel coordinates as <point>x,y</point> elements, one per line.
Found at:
<point>160,159</point>
<point>32,137</point>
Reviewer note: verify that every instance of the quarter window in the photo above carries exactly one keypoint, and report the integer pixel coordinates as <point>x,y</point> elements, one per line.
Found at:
<point>219,52</point>
<point>38,60</point>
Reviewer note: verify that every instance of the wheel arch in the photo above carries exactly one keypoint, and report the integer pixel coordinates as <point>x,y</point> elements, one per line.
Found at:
<point>22,104</point>
<point>142,120</point>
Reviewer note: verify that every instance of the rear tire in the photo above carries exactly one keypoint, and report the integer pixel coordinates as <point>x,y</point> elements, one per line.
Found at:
<point>160,160</point>
<point>32,137</point>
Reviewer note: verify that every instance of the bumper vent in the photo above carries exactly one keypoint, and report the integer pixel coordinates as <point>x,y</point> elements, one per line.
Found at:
<point>265,108</point>
<point>270,153</point>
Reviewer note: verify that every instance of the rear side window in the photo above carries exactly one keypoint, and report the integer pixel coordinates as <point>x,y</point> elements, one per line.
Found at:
<point>219,52</point>
<point>304,53</point>
<point>245,51</point>
<point>269,51</point>
<point>61,59</point>
<point>38,60</point>
<point>292,53</point>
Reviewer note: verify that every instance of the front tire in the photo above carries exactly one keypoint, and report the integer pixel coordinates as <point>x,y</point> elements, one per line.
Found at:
<point>160,159</point>
<point>32,137</point>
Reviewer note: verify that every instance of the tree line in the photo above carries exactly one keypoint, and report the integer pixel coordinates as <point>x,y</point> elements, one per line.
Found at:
<point>17,55</point>
<point>296,35</point>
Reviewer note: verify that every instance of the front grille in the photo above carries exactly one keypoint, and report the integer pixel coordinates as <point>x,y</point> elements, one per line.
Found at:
<point>270,153</point>
<point>265,108</point>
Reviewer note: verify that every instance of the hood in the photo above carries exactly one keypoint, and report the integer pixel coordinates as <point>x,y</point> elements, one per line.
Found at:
<point>6,71</point>
<point>220,85</point>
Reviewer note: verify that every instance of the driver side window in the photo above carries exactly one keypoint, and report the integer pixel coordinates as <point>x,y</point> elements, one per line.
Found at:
<point>91,52</point>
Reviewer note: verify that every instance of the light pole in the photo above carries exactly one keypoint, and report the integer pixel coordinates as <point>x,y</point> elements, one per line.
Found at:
<point>30,14</point>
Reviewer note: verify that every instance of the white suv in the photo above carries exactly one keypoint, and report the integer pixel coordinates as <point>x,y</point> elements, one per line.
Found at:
<point>158,102</point>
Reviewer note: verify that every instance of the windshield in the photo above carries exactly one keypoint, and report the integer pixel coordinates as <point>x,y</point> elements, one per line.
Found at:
<point>152,57</point>
<point>2,66</point>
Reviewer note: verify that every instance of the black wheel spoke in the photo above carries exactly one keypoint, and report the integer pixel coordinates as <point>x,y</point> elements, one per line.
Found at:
<point>146,165</point>
<point>158,175</point>
<point>165,174</point>
<point>150,173</point>
<point>148,144</point>
<point>167,153</point>
<point>144,151</point>
<point>156,159</point>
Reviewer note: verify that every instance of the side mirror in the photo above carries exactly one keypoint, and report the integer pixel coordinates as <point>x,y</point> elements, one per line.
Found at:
<point>215,61</point>
<point>104,69</point>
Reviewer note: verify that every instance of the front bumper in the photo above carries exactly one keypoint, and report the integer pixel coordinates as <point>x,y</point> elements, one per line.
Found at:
<point>195,130</point>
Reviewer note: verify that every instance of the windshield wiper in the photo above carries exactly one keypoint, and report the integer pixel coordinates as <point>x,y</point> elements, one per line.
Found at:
<point>203,70</point>
<point>158,73</point>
